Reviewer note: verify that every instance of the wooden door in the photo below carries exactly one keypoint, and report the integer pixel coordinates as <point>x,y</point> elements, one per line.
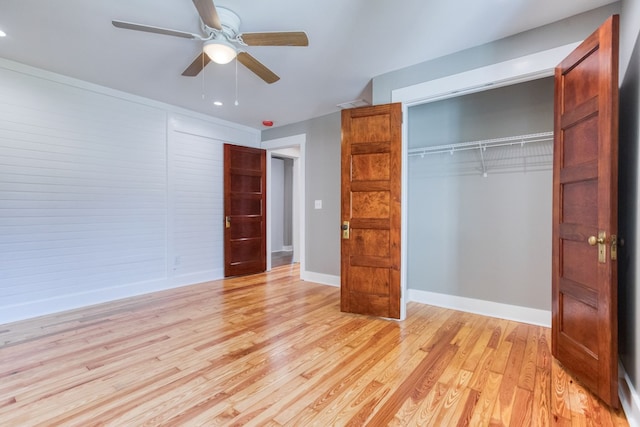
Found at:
<point>371,184</point>
<point>245,202</point>
<point>585,174</point>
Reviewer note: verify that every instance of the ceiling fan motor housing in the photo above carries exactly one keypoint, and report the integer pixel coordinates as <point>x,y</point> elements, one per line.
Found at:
<point>230,22</point>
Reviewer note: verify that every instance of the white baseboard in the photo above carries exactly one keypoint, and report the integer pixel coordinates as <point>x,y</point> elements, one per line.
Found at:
<point>628,397</point>
<point>485,308</point>
<point>202,276</point>
<point>30,309</point>
<point>282,249</point>
<point>323,279</point>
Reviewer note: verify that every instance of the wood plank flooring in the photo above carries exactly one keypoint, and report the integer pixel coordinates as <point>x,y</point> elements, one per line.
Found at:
<point>271,350</point>
<point>281,258</point>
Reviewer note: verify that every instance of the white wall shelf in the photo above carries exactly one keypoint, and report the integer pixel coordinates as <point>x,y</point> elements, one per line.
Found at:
<point>498,154</point>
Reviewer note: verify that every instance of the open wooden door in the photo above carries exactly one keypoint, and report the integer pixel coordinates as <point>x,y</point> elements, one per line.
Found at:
<point>585,210</point>
<point>371,184</point>
<point>245,203</point>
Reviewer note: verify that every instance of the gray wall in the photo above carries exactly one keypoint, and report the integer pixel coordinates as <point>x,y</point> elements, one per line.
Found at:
<point>287,215</point>
<point>507,111</point>
<point>482,238</point>
<point>549,36</point>
<point>475,237</point>
<point>629,297</point>
<point>322,178</point>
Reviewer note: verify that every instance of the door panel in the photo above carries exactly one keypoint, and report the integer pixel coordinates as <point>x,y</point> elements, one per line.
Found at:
<point>245,210</point>
<point>371,182</point>
<point>585,174</point>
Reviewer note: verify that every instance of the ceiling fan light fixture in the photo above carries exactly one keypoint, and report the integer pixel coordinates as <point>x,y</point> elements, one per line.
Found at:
<point>219,51</point>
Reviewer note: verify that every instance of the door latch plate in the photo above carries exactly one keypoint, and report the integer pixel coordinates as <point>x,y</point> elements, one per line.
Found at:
<point>345,229</point>
<point>602,247</point>
<point>614,247</point>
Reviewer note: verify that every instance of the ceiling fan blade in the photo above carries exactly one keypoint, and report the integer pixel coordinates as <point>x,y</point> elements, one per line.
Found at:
<point>281,38</point>
<point>208,13</point>
<point>151,29</point>
<point>257,67</point>
<point>197,65</point>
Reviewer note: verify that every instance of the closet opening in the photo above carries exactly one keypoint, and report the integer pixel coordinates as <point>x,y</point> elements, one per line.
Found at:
<point>479,195</point>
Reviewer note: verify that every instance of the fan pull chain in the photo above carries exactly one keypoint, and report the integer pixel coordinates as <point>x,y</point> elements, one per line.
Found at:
<point>236,103</point>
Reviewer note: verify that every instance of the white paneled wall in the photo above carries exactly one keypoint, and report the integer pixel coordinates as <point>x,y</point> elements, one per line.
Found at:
<point>82,180</point>
<point>197,205</point>
<point>103,195</point>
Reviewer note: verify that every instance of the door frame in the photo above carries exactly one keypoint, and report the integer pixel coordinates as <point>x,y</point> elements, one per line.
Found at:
<point>299,220</point>
<point>518,70</point>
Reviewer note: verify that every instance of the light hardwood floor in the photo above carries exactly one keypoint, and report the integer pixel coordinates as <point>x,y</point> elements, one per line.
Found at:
<point>272,350</point>
<point>279,259</point>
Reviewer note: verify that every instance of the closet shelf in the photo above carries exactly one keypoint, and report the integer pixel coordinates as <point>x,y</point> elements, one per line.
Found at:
<point>518,152</point>
<point>482,144</point>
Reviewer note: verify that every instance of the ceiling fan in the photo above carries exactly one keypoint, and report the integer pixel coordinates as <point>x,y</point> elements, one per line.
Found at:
<point>222,40</point>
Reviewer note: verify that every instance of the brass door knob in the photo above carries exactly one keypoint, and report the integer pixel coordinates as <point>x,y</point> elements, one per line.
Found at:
<point>593,240</point>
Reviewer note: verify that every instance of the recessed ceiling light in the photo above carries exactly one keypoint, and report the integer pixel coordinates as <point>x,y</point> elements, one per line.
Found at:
<point>3,34</point>
<point>217,103</point>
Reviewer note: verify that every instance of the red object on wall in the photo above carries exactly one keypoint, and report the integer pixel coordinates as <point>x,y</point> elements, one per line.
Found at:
<point>267,123</point>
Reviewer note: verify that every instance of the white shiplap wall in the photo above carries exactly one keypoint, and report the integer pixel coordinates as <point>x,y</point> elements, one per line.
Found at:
<point>196,214</point>
<point>100,192</point>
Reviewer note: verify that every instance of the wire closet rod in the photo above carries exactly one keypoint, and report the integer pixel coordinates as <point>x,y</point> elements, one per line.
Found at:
<point>482,144</point>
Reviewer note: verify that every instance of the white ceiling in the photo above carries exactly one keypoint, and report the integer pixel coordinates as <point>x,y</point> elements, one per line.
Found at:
<point>350,42</point>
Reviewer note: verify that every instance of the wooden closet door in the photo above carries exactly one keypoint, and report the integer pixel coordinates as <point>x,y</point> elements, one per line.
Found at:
<point>585,213</point>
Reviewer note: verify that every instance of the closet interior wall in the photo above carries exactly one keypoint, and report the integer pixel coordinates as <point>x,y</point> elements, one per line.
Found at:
<point>476,236</point>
